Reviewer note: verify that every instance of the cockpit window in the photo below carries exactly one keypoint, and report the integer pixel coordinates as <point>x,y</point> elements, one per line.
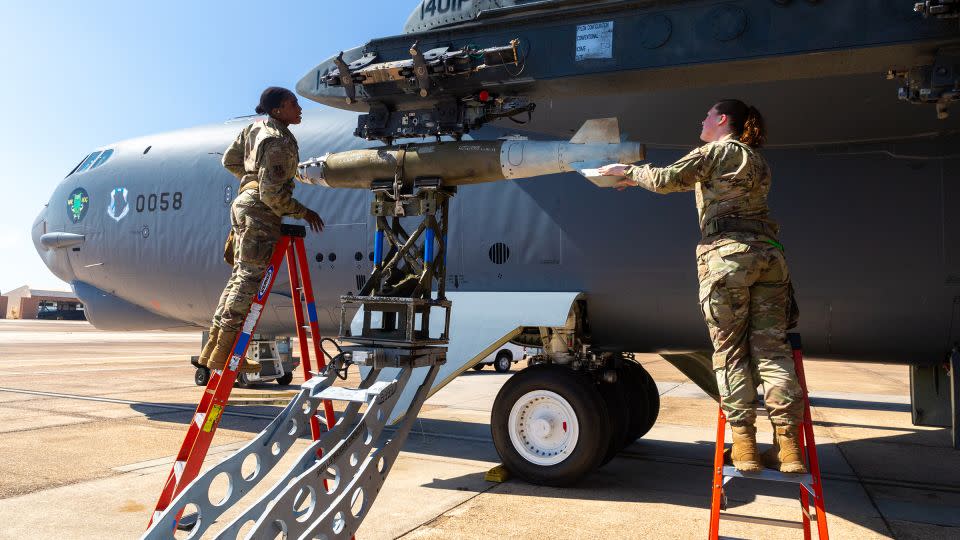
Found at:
<point>85,164</point>
<point>92,161</point>
<point>102,159</point>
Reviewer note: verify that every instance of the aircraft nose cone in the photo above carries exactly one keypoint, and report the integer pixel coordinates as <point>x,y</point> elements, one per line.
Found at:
<point>37,230</point>
<point>52,247</point>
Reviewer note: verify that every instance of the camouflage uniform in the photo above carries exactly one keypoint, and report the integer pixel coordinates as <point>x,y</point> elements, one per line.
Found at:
<point>264,157</point>
<point>745,292</point>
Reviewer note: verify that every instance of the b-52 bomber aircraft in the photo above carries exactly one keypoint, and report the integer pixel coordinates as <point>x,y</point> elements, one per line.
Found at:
<point>862,144</point>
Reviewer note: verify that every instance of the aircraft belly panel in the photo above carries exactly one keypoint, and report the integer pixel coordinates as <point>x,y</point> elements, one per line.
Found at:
<point>507,240</point>
<point>950,209</point>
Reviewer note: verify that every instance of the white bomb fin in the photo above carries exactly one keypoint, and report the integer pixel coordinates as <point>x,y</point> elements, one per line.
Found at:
<point>598,131</point>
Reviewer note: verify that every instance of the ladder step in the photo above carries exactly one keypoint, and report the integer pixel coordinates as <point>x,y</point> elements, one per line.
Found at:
<point>359,395</point>
<point>770,475</point>
<point>761,520</point>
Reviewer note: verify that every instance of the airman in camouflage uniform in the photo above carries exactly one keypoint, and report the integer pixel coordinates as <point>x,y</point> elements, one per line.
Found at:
<point>745,291</point>
<point>264,158</point>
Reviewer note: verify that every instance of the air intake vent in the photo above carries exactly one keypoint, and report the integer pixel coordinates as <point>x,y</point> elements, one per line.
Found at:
<point>499,253</point>
<point>361,281</point>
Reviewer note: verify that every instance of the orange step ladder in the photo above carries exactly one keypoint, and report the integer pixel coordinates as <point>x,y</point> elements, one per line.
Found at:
<point>811,486</point>
<point>217,392</point>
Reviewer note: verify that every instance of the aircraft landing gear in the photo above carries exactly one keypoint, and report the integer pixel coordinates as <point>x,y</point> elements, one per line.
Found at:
<point>643,399</point>
<point>550,425</point>
<point>553,425</point>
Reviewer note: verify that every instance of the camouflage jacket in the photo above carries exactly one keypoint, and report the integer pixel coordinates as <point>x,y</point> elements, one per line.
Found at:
<point>731,180</point>
<point>264,157</point>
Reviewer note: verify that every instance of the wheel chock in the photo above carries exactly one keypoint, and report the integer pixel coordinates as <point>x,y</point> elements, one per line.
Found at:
<point>498,474</point>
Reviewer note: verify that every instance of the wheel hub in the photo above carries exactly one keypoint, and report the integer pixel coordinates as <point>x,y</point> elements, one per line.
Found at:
<point>543,427</point>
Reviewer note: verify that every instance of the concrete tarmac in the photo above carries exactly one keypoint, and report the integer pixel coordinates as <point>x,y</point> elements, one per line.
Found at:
<point>90,421</point>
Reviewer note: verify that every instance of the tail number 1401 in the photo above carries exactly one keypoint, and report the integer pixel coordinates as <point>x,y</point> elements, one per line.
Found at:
<point>434,7</point>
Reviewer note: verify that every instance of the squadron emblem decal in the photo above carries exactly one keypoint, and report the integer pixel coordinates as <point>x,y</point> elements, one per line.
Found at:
<point>118,204</point>
<point>77,204</point>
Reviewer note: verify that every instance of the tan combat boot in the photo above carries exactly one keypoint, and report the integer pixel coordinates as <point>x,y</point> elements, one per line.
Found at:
<point>209,345</point>
<point>785,455</point>
<point>222,349</point>
<point>249,366</point>
<point>744,454</point>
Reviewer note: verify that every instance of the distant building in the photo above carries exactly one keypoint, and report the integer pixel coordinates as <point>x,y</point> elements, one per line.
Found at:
<point>27,303</point>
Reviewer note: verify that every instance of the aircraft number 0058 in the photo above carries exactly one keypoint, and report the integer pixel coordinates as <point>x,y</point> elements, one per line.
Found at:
<point>162,202</point>
<point>434,7</point>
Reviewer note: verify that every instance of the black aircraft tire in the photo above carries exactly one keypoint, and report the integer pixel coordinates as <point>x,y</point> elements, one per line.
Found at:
<point>503,362</point>
<point>619,411</point>
<point>286,379</point>
<point>202,376</point>
<point>643,398</point>
<point>590,412</point>
<point>478,367</point>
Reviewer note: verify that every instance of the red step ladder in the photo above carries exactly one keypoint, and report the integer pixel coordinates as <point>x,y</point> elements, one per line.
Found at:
<point>811,485</point>
<point>215,395</point>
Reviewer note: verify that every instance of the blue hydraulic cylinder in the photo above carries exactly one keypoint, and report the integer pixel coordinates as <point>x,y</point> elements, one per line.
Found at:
<point>428,246</point>
<point>378,247</point>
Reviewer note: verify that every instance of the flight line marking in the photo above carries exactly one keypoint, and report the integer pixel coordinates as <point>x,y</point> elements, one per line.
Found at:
<point>129,402</point>
<point>93,370</point>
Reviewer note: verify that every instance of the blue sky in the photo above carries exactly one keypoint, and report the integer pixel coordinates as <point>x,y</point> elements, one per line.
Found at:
<point>78,75</point>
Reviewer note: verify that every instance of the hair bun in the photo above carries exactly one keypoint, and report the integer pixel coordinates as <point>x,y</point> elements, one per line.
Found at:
<point>273,97</point>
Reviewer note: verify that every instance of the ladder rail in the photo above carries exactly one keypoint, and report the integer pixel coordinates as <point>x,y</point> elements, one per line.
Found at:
<point>268,448</point>
<point>299,260</point>
<point>717,486</point>
<point>294,270</point>
<point>807,442</point>
<point>809,445</point>
<point>200,433</point>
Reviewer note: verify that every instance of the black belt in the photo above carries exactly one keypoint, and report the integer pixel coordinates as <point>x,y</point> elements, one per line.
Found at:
<point>730,225</point>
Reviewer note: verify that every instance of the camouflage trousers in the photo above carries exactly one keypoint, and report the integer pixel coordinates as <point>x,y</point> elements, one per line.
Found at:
<point>256,230</point>
<point>746,300</point>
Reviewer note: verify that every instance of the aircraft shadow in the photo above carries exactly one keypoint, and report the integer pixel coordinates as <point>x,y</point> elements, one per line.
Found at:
<point>837,403</point>
<point>250,419</point>
<point>679,473</point>
<point>916,463</point>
